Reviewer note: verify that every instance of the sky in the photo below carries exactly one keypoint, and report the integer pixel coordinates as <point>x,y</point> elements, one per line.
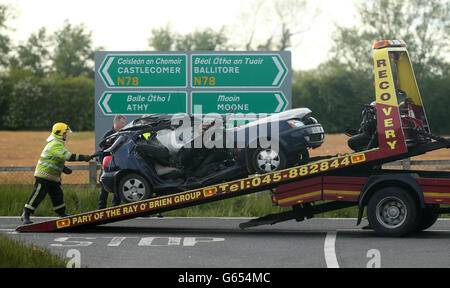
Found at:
<point>126,25</point>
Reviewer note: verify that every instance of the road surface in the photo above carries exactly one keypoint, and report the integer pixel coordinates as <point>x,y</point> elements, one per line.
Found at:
<point>219,242</point>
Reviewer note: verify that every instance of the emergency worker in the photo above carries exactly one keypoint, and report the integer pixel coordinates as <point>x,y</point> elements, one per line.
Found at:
<point>118,123</point>
<point>48,172</point>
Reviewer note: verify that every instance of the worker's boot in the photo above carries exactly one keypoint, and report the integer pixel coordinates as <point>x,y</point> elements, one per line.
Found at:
<point>25,218</point>
<point>62,213</point>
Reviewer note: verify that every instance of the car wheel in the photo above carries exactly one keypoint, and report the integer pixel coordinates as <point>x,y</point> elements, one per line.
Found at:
<point>392,211</point>
<point>268,160</point>
<point>134,187</point>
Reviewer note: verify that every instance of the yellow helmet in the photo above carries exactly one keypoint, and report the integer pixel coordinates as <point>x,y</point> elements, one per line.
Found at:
<point>59,129</point>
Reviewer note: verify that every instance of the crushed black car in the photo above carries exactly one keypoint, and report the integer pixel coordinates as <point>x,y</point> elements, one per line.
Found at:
<point>163,154</point>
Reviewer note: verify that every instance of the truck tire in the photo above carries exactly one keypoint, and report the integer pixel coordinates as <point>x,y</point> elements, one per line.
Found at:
<point>393,212</point>
<point>133,187</point>
<point>428,219</point>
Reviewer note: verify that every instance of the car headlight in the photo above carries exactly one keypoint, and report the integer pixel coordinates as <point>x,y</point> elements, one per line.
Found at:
<point>295,123</point>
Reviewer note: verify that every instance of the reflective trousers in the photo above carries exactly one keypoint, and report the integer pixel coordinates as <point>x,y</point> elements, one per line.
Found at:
<point>41,188</point>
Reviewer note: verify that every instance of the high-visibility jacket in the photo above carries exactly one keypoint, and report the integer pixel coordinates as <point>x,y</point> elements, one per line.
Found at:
<point>146,135</point>
<point>51,162</point>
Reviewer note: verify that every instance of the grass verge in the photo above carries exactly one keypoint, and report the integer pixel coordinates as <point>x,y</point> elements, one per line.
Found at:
<point>80,199</point>
<point>15,254</point>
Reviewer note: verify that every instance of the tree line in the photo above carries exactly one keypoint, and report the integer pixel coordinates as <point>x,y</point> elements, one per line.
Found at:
<point>46,79</point>
<point>50,77</point>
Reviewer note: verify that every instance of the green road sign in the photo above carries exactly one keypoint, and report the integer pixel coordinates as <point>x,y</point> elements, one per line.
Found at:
<point>237,70</point>
<point>238,102</point>
<point>144,70</point>
<point>138,103</point>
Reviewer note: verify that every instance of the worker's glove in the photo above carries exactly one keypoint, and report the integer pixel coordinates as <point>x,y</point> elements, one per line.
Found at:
<point>67,170</point>
<point>82,157</point>
<point>96,154</point>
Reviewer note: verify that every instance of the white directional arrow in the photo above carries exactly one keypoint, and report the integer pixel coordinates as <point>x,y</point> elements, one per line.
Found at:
<point>280,102</point>
<point>280,71</point>
<point>105,103</point>
<point>105,71</point>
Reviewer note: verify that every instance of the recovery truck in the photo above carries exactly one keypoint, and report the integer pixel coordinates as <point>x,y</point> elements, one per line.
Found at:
<point>398,201</point>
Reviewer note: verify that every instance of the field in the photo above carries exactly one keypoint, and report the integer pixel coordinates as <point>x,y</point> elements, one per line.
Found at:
<point>337,143</point>
<point>23,149</point>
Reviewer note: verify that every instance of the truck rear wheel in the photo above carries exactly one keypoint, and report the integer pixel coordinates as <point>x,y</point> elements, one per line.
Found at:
<point>429,217</point>
<point>392,211</point>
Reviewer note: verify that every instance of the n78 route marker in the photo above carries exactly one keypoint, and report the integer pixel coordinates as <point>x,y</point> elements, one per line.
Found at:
<point>144,70</point>
<point>237,70</point>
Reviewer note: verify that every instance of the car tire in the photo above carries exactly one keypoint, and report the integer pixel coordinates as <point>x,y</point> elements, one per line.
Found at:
<point>133,187</point>
<point>267,160</point>
<point>393,212</point>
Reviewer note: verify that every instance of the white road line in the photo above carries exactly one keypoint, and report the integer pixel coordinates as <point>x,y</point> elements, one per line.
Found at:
<point>329,250</point>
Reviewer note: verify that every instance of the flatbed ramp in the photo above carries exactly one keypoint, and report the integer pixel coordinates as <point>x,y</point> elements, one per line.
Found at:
<point>141,208</point>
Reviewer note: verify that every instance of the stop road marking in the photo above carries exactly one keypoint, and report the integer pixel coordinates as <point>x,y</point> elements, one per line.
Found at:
<point>144,241</point>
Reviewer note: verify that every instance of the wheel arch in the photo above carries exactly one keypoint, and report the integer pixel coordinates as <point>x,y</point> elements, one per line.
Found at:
<point>378,182</point>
